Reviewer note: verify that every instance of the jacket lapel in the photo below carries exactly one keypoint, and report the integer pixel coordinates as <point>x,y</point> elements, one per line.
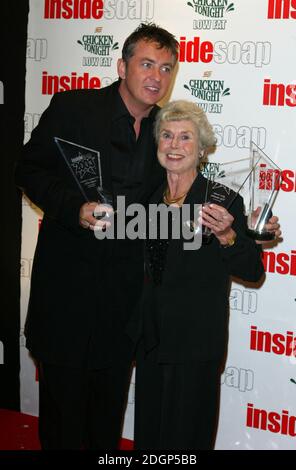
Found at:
<point>198,191</point>
<point>97,131</point>
<point>196,195</point>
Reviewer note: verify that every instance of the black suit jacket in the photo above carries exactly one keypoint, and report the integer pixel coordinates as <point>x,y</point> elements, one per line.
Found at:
<point>186,316</point>
<point>82,289</point>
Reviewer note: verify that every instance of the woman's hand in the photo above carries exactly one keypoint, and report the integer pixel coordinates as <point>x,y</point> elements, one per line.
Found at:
<point>219,221</point>
<point>271,225</point>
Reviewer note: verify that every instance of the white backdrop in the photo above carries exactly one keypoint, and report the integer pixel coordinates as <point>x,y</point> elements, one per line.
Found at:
<point>245,48</point>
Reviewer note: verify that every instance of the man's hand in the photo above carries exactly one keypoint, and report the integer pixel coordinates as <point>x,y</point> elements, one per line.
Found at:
<point>94,216</point>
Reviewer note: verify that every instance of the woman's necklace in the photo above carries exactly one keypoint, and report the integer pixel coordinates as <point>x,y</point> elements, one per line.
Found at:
<point>168,200</point>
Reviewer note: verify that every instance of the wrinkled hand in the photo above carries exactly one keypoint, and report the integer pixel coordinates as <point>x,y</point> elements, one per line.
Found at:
<point>271,226</point>
<point>88,213</point>
<point>219,220</point>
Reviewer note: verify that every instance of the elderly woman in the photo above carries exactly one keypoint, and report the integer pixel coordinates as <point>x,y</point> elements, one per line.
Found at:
<point>182,324</point>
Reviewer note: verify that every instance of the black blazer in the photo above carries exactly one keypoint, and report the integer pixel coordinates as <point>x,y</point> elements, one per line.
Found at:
<point>187,314</point>
<point>75,275</point>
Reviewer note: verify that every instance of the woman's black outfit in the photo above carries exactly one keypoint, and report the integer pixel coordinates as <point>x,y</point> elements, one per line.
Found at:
<point>181,331</point>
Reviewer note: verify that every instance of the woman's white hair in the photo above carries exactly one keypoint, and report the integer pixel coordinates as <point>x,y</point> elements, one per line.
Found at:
<point>182,110</point>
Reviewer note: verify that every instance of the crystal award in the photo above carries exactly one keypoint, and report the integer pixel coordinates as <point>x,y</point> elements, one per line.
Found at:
<point>257,179</point>
<point>85,165</point>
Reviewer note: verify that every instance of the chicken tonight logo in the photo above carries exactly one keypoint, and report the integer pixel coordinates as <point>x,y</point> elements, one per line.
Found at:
<point>213,12</point>
<point>210,169</point>
<point>209,93</point>
<point>100,46</point>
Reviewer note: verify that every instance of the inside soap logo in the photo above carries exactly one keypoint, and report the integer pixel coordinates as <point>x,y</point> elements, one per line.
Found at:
<point>100,46</point>
<point>209,92</point>
<point>212,11</point>
<point>142,10</point>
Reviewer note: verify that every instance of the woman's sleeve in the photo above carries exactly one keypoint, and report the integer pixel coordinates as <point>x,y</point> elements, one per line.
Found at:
<point>244,258</point>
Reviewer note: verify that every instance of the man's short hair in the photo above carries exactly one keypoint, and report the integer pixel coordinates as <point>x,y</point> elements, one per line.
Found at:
<point>150,32</point>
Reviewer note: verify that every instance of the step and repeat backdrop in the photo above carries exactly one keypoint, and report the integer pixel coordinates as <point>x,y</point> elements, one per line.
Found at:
<point>236,61</point>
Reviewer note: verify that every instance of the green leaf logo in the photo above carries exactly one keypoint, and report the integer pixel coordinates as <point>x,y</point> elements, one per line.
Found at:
<point>190,4</point>
<point>230,7</point>
<point>115,46</point>
<point>187,87</point>
<point>226,92</point>
<point>79,42</point>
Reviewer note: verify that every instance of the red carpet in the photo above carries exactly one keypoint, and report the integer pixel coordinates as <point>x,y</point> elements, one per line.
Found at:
<point>19,431</point>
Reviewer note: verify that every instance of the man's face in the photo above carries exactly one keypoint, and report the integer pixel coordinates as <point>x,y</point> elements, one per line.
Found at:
<point>147,75</point>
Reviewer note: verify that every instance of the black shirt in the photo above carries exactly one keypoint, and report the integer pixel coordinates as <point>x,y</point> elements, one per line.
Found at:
<point>129,153</point>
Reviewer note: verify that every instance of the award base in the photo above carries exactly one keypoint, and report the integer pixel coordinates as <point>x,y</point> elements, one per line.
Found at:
<point>206,239</point>
<point>263,236</point>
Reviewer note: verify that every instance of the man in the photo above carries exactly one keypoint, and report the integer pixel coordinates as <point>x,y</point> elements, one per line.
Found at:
<point>83,290</point>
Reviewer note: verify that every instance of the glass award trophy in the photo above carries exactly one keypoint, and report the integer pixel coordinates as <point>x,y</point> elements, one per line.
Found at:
<point>257,179</point>
<point>85,165</point>
<point>217,192</point>
<point>262,189</point>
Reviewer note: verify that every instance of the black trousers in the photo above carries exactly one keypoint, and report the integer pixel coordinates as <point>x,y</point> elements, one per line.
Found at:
<point>80,408</point>
<point>176,404</point>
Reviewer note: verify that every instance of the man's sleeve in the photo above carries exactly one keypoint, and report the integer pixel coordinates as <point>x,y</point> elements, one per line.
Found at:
<point>38,171</point>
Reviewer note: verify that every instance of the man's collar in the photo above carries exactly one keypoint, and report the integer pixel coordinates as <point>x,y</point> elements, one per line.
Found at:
<point>120,110</point>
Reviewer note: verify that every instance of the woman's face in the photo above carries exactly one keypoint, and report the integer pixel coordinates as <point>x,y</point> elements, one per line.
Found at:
<point>178,147</point>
